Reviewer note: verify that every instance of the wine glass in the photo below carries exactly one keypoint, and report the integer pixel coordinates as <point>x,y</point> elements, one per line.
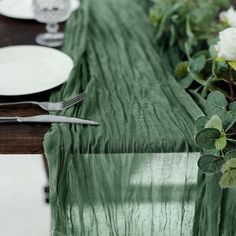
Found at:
<point>51,12</point>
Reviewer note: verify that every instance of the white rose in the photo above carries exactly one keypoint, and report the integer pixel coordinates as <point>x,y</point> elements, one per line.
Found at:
<point>229,17</point>
<point>226,46</point>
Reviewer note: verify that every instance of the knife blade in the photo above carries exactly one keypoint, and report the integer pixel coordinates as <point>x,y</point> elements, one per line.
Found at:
<point>47,119</point>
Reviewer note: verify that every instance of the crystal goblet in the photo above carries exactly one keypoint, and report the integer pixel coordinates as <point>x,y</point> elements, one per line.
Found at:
<point>51,12</point>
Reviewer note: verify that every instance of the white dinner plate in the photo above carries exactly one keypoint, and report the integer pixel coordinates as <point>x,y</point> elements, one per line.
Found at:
<point>22,9</point>
<point>32,69</point>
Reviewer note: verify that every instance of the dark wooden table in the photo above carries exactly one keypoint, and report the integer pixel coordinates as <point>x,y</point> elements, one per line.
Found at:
<point>21,138</point>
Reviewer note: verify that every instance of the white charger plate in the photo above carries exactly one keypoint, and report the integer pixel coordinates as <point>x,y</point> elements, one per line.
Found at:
<point>22,9</point>
<point>32,69</point>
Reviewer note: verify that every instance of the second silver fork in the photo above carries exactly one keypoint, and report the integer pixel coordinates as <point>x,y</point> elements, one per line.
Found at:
<point>52,106</point>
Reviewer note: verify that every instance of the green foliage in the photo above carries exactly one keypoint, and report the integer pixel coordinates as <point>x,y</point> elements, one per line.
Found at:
<point>207,137</point>
<point>197,64</point>
<point>229,174</point>
<point>231,154</point>
<point>186,32</point>
<point>233,108</point>
<point>214,122</point>
<point>201,122</point>
<point>210,164</point>
<point>216,135</point>
<point>221,142</point>
<point>181,69</point>
<point>216,104</point>
<point>210,73</point>
<point>231,143</point>
<point>186,25</point>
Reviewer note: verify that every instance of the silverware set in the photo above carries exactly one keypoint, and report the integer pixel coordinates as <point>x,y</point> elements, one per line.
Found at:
<point>52,106</point>
<point>49,106</point>
<point>47,119</point>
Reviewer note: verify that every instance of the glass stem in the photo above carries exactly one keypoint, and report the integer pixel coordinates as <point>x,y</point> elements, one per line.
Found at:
<point>52,28</point>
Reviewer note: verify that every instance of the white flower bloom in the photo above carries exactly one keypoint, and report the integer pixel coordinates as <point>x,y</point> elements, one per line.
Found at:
<point>229,16</point>
<point>226,46</point>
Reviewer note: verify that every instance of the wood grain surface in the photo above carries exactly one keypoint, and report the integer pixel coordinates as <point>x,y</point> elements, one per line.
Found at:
<point>21,138</point>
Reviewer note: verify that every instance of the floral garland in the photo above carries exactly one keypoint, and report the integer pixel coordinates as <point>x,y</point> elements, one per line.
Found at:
<point>183,27</point>
<point>217,131</point>
<point>208,70</point>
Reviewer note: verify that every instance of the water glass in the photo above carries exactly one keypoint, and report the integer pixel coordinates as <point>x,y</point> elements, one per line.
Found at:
<point>51,12</point>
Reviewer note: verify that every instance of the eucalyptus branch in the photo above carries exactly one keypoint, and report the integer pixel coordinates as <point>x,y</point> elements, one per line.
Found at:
<point>219,146</point>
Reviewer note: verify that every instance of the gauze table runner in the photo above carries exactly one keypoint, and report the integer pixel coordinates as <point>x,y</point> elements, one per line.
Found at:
<point>141,110</point>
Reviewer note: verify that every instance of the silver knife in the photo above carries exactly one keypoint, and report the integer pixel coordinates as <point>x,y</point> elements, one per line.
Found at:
<point>47,119</point>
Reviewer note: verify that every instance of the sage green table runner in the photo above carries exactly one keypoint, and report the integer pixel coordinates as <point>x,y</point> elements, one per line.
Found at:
<point>141,110</point>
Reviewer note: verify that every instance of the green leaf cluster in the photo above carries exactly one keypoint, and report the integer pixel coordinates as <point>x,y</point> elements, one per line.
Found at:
<point>207,73</point>
<point>216,136</point>
<point>185,25</point>
<point>229,174</point>
<point>186,32</point>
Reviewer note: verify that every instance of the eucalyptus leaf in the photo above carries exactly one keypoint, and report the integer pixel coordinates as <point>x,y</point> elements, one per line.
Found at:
<point>228,180</point>
<point>210,164</point>
<point>221,142</point>
<point>231,154</point>
<point>231,144</point>
<point>197,77</point>
<point>201,52</point>
<point>181,69</point>
<point>206,138</point>
<point>216,104</point>
<point>227,120</point>
<point>221,67</point>
<point>214,122</point>
<point>229,174</point>
<point>232,108</point>
<point>230,164</point>
<point>231,123</point>
<point>197,64</point>
<point>201,122</point>
<point>186,82</point>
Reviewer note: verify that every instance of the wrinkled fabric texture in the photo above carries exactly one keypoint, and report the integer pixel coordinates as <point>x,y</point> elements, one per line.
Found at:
<point>141,110</point>
<point>214,208</point>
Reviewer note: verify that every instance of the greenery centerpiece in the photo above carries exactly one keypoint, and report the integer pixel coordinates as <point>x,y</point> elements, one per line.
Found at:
<point>183,27</point>
<point>197,42</point>
<point>217,137</point>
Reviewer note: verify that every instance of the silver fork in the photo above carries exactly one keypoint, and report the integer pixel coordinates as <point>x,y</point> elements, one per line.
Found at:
<point>52,106</point>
